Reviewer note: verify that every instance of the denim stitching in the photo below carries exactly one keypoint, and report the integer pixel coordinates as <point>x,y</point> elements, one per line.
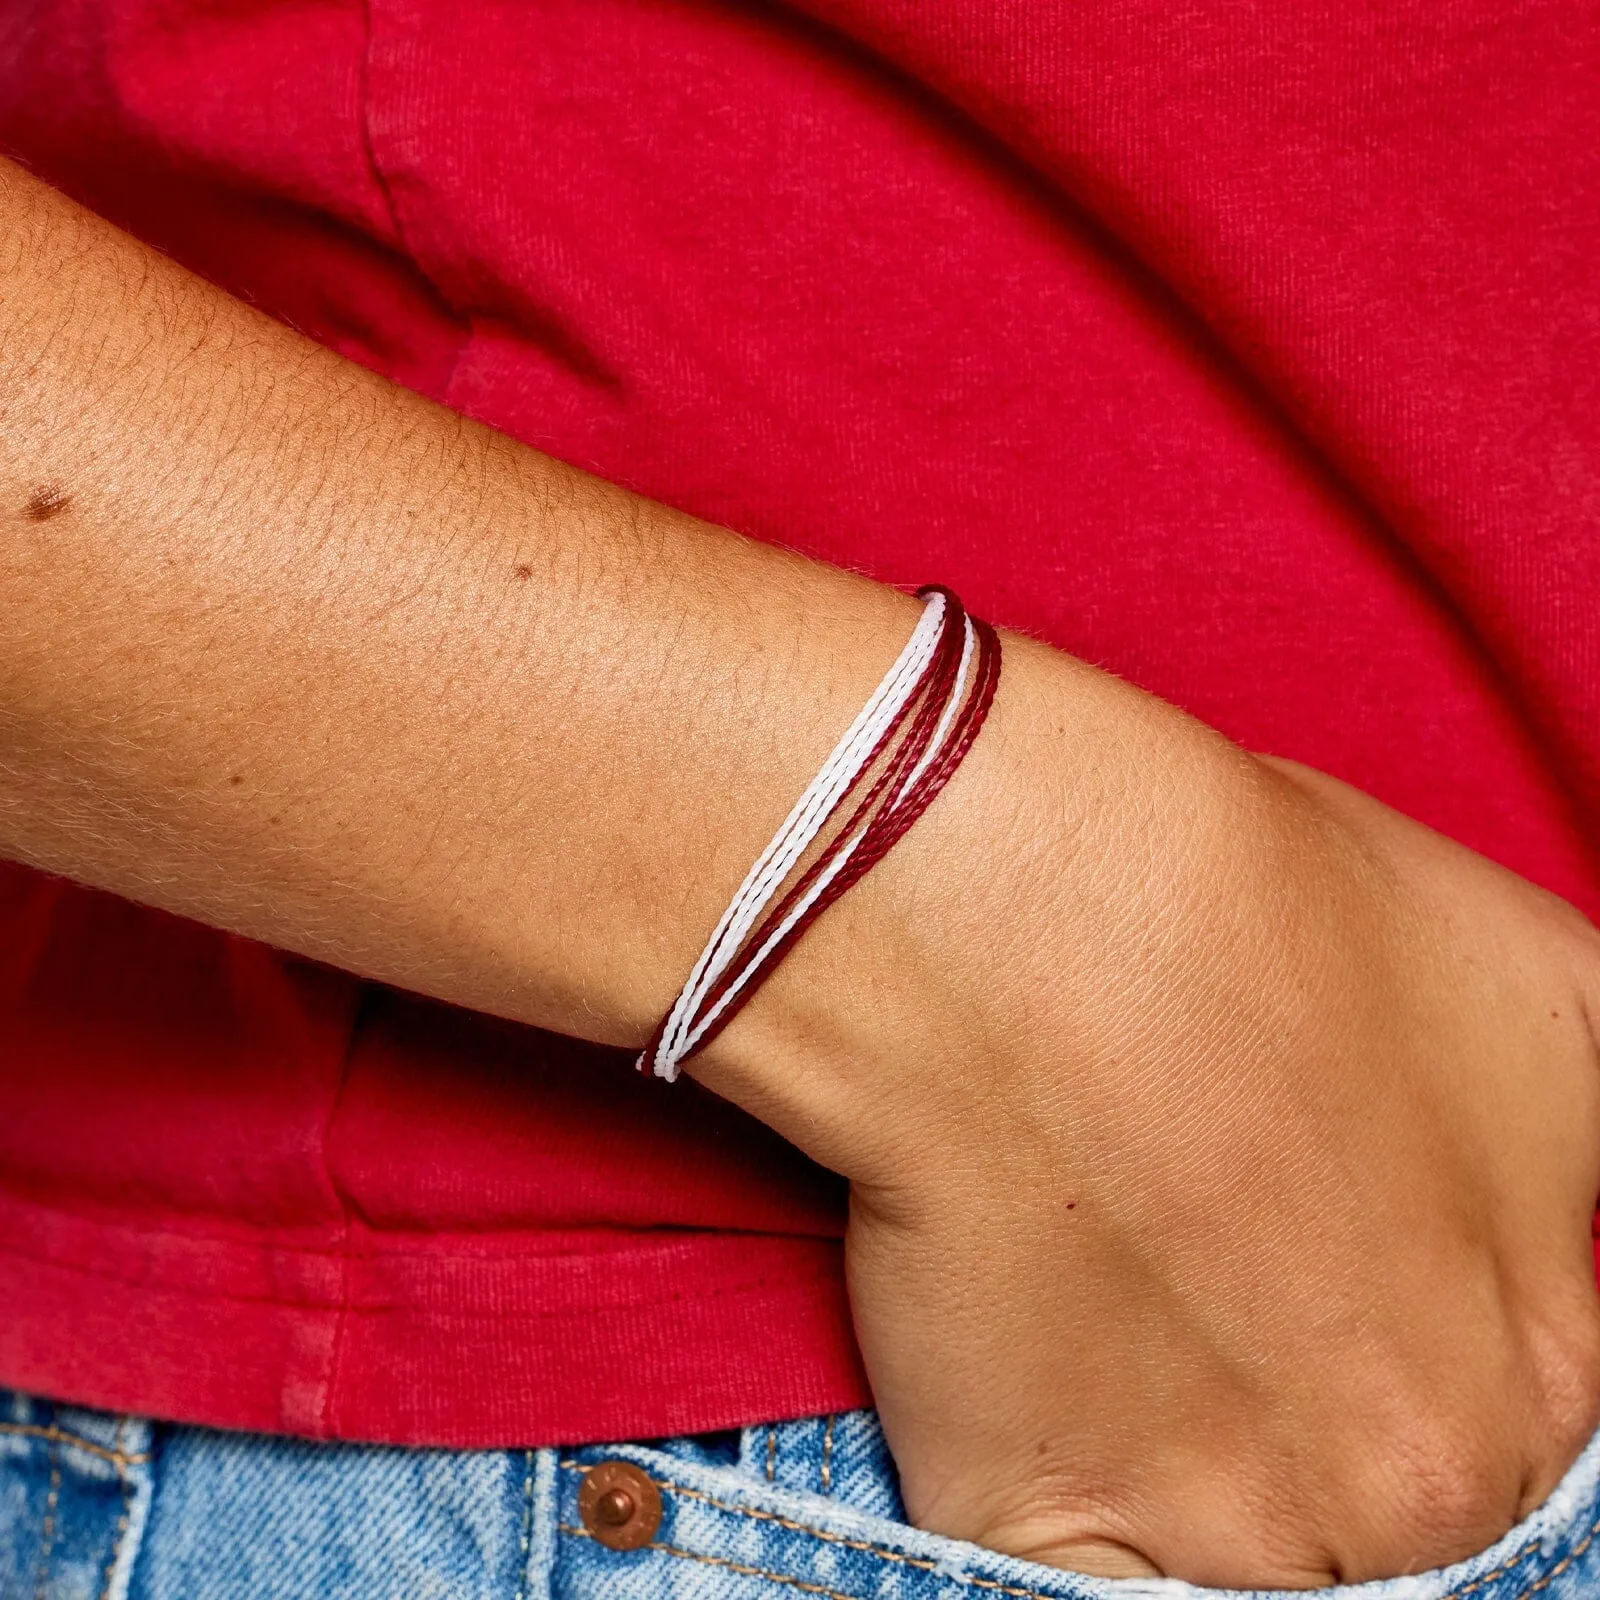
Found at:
<point>1561,1566</point>
<point>527,1524</point>
<point>54,1435</point>
<point>921,1563</point>
<point>47,1534</point>
<point>116,1455</point>
<point>126,1480</point>
<point>827,1456</point>
<point>730,1566</point>
<point>1528,1550</point>
<point>772,1453</point>
<point>1484,1580</point>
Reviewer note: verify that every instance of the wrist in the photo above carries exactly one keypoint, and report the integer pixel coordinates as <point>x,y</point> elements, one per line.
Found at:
<point>913,999</point>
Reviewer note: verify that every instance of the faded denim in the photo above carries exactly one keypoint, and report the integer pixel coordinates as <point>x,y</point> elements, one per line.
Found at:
<point>96,1507</point>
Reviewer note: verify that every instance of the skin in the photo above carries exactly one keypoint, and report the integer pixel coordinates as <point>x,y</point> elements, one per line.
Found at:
<point>1222,1145</point>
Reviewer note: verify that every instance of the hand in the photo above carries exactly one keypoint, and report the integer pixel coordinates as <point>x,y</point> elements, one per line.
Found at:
<point>1223,1149</point>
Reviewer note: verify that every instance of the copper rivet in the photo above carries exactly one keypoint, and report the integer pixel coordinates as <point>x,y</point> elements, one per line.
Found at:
<point>620,1505</point>
<point>614,1507</point>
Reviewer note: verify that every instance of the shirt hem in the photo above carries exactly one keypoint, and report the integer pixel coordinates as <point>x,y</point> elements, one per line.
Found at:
<point>658,1334</point>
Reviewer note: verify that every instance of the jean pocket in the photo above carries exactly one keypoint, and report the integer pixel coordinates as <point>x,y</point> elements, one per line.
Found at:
<point>727,1533</point>
<point>74,1491</point>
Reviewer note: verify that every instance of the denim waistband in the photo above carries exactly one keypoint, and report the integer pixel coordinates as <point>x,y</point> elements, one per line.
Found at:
<point>99,1507</point>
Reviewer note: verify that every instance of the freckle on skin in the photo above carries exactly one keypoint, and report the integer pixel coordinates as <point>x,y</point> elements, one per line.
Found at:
<point>48,500</point>
<point>236,780</point>
<point>524,571</point>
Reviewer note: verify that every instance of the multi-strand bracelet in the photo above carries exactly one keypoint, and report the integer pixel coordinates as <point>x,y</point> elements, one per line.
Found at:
<point>891,763</point>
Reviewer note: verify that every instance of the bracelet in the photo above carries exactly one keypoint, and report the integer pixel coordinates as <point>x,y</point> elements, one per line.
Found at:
<point>896,756</point>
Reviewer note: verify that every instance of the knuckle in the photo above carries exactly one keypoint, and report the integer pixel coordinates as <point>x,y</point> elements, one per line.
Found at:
<point>1452,1491</point>
<point>1565,1361</point>
<point>1460,1468</point>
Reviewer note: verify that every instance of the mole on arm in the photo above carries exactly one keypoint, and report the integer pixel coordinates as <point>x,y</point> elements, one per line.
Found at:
<point>47,501</point>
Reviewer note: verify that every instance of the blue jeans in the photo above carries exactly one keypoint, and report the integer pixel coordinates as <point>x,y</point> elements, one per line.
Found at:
<point>97,1507</point>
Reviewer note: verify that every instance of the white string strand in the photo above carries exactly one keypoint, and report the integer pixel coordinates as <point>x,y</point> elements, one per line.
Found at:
<point>834,867</point>
<point>804,822</point>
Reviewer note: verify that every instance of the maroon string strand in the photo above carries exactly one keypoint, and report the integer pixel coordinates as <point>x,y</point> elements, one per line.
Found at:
<point>882,815</point>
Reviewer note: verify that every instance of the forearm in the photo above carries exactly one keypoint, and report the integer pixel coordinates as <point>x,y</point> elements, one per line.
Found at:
<point>291,650</point>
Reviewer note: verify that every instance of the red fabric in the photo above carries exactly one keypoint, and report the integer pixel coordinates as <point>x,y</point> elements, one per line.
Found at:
<point>1252,352</point>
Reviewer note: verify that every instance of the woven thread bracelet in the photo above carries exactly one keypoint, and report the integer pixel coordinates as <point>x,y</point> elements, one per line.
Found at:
<point>893,760</point>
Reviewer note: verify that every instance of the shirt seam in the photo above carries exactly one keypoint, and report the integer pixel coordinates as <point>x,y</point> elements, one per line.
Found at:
<point>401,1308</point>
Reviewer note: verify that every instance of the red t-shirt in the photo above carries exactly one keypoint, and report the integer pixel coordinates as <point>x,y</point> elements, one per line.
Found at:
<point>1253,352</point>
